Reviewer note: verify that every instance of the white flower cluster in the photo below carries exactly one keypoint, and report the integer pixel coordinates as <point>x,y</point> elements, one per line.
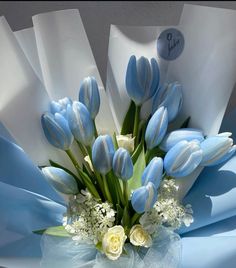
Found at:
<point>167,210</point>
<point>88,220</point>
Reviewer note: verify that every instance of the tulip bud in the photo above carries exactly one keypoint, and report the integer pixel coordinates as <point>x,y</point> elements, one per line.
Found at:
<point>156,128</point>
<point>80,123</point>
<point>216,150</point>
<point>60,180</point>
<point>102,154</point>
<point>122,164</point>
<point>170,96</point>
<point>153,172</point>
<point>89,95</point>
<point>60,106</point>
<point>144,198</point>
<point>56,130</point>
<point>183,158</point>
<point>142,79</point>
<point>176,136</point>
<point>126,142</point>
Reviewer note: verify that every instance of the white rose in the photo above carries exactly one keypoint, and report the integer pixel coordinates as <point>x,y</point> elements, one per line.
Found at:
<point>139,237</point>
<point>113,242</point>
<point>126,142</point>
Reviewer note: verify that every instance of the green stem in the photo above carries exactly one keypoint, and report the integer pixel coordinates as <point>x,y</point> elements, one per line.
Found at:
<point>82,149</point>
<point>99,178</point>
<point>135,218</point>
<point>147,156</point>
<point>95,129</point>
<point>72,158</point>
<point>115,141</point>
<point>125,191</point>
<point>106,189</point>
<point>136,123</point>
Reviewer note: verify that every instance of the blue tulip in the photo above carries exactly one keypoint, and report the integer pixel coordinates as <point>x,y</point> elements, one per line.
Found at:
<point>56,130</point>
<point>142,79</point>
<point>103,153</point>
<point>144,198</point>
<point>60,180</point>
<point>153,172</point>
<point>216,150</point>
<point>183,158</point>
<point>89,95</point>
<point>156,128</point>
<point>80,123</point>
<point>122,164</point>
<point>171,97</point>
<point>60,106</point>
<point>176,136</point>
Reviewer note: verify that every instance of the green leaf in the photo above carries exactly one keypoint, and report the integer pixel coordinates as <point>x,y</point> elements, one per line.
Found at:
<point>115,141</point>
<point>88,183</point>
<point>137,152</point>
<point>54,231</point>
<point>126,217</point>
<point>99,246</point>
<point>185,123</point>
<point>119,214</point>
<point>128,123</point>
<point>139,166</point>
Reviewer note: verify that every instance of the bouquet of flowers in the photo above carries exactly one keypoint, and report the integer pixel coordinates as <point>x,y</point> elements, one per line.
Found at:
<point>123,195</point>
<point>115,165</point>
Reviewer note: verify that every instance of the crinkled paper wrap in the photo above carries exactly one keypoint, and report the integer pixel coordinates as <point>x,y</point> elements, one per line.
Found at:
<point>64,253</point>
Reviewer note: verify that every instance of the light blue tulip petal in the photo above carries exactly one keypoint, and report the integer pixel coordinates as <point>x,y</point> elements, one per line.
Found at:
<point>80,122</point>
<point>138,199</point>
<point>63,123</point>
<point>212,147</point>
<point>170,96</point>
<point>122,164</point>
<point>89,96</point>
<point>56,131</point>
<point>144,198</point>
<point>133,86</point>
<point>156,128</point>
<point>173,101</point>
<point>155,77</point>
<point>225,157</point>
<point>188,160</point>
<point>153,172</point>
<point>103,153</point>
<point>60,180</point>
<point>190,165</point>
<point>55,107</point>
<point>144,75</point>
<point>188,134</point>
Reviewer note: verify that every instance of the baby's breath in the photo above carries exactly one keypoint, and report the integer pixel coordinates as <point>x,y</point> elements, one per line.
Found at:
<point>167,210</point>
<point>87,219</point>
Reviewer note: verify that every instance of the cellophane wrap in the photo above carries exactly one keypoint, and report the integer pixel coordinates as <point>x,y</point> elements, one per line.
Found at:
<point>62,252</point>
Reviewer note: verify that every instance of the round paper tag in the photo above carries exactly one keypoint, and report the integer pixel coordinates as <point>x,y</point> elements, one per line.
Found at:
<point>170,44</point>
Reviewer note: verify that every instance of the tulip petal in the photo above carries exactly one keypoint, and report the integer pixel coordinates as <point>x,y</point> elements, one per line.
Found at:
<point>153,172</point>
<point>156,128</point>
<point>60,180</point>
<point>103,153</point>
<point>183,158</point>
<point>188,134</point>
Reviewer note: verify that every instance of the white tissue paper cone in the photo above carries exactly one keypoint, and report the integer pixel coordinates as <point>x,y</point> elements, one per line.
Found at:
<point>206,68</point>
<point>66,59</point>
<point>22,100</point>
<point>27,42</point>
